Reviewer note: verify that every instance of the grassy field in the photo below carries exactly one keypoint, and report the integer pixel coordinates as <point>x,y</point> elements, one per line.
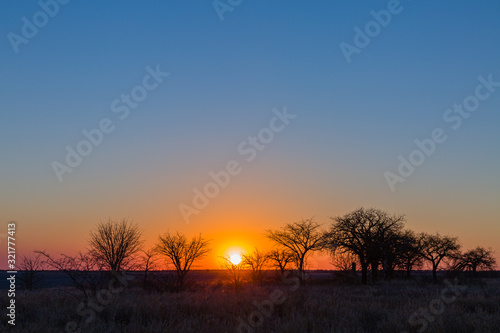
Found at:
<point>322,305</point>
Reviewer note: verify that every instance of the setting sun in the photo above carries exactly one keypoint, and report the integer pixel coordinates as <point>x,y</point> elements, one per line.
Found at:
<point>235,258</point>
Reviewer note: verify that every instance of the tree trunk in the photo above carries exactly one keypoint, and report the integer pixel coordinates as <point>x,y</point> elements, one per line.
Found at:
<point>374,267</point>
<point>301,270</point>
<point>434,273</point>
<point>364,273</point>
<point>385,269</point>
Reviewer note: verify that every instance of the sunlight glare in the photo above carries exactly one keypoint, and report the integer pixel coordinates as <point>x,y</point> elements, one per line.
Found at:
<point>235,258</point>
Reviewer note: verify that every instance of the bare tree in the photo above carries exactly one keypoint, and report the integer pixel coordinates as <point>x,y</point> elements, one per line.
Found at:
<point>366,233</point>
<point>281,258</point>
<point>148,262</point>
<point>235,273</point>
<point>409,252</point>
<point>30,268</point>
<point>84,271</point>
<point>344,261</point>
<point>256,262</point>
<point>400,249</point>
<point>182,253</point>
<point>435,248</point>
<point>115,243</point>
<point>478,258</point>
<point>300,238</point>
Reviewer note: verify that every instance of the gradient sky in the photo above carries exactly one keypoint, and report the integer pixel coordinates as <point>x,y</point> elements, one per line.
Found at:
<point>353,119</point>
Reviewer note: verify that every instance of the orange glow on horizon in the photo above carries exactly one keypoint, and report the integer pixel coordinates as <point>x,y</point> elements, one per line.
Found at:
<point>235,254</point>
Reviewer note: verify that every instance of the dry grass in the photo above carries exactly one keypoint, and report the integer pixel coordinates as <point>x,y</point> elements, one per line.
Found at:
<point>216,307</point>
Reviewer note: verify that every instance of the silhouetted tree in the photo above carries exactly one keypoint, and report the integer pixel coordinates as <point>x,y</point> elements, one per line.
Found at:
<point>435,248</point>
<point>235,273</point>
<point>182,253</point>
<point>115,243</point>
<point>390,253</point>
<point>281,258</point>
<point>256,262</point>
<point>409,252</point>
<point>148,262</point>
<point>84,271</point>
<point>400,249</point>
<point>343,261</point>
<point>300,238</point>
<point>30,268</point>
<point>366,233</point>
<point>478,258</point>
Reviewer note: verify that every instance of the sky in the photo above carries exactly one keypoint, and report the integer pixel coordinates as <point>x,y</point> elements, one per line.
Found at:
<point>333,94</point>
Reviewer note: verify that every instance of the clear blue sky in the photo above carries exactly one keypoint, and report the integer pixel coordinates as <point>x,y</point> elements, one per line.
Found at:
<point>353,122</point>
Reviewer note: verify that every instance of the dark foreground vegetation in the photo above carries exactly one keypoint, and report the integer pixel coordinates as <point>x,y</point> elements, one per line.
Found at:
<point>326,302</point>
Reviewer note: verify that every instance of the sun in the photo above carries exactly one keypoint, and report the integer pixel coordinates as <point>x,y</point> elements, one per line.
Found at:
<point>235,258</point>
<point>234,254</point>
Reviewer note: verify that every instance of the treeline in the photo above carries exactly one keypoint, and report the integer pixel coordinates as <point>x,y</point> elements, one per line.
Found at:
<point>370,239</point>
<point>378,239</point>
